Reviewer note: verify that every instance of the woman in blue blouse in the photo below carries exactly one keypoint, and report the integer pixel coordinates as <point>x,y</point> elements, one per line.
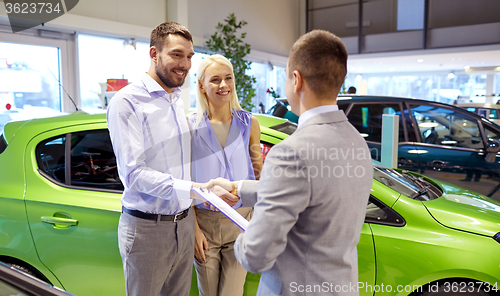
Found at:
<point>225,143</point>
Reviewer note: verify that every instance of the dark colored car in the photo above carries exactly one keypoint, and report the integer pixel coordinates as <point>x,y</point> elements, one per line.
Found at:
<point>60,206</point>
<point>438,140</point>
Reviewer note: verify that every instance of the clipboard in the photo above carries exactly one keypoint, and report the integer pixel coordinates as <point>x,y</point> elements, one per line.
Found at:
<point>222,206</point>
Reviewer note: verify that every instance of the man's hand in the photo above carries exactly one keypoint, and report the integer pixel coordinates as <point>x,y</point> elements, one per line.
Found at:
<point>225,195</point>
<point>226,184</point>
<point>203,185</point>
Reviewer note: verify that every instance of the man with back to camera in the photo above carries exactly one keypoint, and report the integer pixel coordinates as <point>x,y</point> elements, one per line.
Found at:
<point>152,144</point>
<point>310,202</point>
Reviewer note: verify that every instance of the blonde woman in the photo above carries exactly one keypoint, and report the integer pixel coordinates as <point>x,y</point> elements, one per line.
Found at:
<point>225,143</point>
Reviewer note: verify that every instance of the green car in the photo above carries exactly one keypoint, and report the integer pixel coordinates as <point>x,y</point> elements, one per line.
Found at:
<point>60,205</point>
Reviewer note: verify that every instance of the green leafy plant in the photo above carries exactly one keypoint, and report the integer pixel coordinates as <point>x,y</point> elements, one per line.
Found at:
<point>228,43</point>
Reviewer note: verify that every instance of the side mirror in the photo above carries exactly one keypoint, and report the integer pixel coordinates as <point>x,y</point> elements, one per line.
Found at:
<point>491,150</point>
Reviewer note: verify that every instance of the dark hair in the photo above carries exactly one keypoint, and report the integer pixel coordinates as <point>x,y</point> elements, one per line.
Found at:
<point>351,90</point>
<point>321,58</point>
<point>160,33</point>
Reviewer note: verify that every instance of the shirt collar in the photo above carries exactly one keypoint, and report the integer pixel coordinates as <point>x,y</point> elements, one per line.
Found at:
<point>316,111</point>
<point>153,86</point>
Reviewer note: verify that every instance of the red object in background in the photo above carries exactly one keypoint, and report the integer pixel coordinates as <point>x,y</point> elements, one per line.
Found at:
<point>264,148</point>
<point>8,106</point>
<point>116,84</point>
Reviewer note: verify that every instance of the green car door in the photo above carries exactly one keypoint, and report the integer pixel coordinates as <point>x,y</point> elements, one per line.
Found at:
<point>73,213</point>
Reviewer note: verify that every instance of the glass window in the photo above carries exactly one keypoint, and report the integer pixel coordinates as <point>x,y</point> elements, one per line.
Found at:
<point>193,87</point>
<point>491,134</point>
<point>8,290</point>
<point>286,127</point>
<point>3,143</point>
<point>29,82</point>
<point>446,127</point>
<point>378,213</point>
<point>367,119</point>
<point>411,14</point>
<point>102,58</point>
<point>93,163</point>
<point>50,157</point>
<point>406,183</point>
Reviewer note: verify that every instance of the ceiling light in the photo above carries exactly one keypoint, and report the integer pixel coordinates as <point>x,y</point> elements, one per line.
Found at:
<point>420,60</point>
<point>466,67</point>
<point>451,75</point>
<point>428,124</point>
<point>483,69</point>
<point>391,69</point>
<point>414,151</point>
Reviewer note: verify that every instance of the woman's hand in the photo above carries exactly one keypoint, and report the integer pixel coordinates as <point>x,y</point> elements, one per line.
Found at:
<point>200,245</point>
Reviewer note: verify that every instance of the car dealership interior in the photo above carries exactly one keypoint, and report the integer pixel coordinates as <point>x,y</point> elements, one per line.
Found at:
<point>425,76</point>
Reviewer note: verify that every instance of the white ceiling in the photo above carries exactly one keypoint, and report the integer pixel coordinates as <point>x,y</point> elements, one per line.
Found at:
<point>433,60</point>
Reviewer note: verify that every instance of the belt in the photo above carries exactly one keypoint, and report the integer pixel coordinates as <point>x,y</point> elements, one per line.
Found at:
<point>156,217</point>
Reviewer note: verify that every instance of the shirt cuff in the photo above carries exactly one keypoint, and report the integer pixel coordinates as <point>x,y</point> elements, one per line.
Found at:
<point>182,189</point>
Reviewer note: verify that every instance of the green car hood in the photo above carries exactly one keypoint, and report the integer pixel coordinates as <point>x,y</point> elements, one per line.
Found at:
<point>466,210</point>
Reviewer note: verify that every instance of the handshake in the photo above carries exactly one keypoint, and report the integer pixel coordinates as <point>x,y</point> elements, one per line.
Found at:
<point>223,188</point>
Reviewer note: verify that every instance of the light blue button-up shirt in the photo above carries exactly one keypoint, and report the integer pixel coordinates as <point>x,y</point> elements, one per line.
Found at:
<point>151,141</point>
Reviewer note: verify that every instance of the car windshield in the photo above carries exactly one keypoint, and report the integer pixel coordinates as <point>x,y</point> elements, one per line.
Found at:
<point>407,184</point>
<point>286,127</point>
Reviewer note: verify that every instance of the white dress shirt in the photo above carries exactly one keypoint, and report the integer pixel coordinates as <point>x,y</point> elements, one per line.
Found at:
<point>151,141</point>
<point>316,111</point>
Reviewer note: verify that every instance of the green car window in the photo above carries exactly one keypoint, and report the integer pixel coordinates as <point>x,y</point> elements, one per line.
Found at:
<point>379,213</point>
<point>92,163</point>
<point>407,184</point>
<point>51,158</point>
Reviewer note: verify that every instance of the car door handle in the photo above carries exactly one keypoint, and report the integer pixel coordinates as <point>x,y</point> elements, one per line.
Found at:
<point>60,221</point>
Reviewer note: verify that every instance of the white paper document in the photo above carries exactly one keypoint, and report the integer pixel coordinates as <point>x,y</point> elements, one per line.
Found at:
<point>222,206</point>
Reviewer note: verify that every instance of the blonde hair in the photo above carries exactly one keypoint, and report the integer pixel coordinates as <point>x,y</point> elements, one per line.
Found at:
<point>202,100</point>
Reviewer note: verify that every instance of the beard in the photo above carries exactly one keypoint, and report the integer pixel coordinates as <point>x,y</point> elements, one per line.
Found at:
<point>167,77</point>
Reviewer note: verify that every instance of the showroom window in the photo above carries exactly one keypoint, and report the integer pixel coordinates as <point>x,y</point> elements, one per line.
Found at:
<point>102,58</point>
<point>446,127</point>
<point>267,76</point>
<point>30,77</point>
<point>444,88</point>
<point>93,163</point>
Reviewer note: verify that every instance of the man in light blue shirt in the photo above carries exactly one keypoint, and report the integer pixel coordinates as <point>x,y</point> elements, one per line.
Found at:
<point>151,140</point>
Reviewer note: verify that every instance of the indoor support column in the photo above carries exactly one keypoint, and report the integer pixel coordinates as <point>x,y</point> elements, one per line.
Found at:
<point>177,11</point>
